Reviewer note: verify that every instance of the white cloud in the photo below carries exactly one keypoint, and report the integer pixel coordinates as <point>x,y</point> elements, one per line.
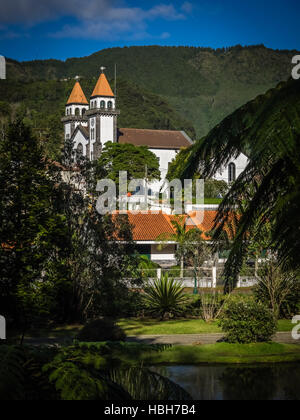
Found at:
<point>96,19</point>
<point>187,7</point>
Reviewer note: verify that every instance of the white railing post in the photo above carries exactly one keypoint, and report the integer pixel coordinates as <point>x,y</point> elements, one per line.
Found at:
<point>239,282</point>
<point>159,273</point>
<point>214,277</point>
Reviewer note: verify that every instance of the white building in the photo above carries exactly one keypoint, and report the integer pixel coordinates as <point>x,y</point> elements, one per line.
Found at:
<point>92,124</point>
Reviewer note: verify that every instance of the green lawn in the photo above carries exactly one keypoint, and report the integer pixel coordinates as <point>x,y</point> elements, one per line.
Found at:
<point>145,326</point>
<point>135,326</point>
<point>225,353</point>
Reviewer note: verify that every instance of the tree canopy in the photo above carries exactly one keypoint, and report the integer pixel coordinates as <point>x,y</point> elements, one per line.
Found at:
<point>138,161</point>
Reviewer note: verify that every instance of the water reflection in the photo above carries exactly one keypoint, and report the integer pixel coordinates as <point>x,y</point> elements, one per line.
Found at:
<point>259,382</point>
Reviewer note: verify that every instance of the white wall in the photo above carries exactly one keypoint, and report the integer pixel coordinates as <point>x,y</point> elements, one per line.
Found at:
<point>240,163</point>
<point>166,254</point>
<point>165,157</point>
<point>79,138</point>
<point>107,129</point>
<point>70,109</point>
<point>106,100</point>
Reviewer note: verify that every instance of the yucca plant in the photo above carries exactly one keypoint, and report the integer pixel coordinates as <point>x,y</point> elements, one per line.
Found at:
<point>165,297</point>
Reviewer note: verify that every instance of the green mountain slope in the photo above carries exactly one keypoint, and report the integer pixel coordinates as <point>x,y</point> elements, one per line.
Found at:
<point>202,84</point>
<point>42,104</point>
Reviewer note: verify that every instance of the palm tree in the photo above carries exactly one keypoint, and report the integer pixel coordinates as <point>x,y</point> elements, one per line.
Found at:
<point>182,236</point>
<point>266,129</point>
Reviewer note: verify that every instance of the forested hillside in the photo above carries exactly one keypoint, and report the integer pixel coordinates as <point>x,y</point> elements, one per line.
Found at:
<point>42,104</point>
<point>202,84</point>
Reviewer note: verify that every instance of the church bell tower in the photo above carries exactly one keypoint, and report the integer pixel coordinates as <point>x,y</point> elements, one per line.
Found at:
<point>76,108</point>
<point>102,116</point>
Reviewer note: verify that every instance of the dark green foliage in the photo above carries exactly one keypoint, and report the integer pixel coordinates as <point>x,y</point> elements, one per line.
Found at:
<point>103,329</point>
<point>21,375</point>
<point>11,373</point>
<point>165,297</point>
<point>215,189</point>
<point>137,161</point>
<point>27,222</point>
<point>247,321</point>
<point>41,105</point>
<point>204,85</point>
<point>103,371</point>
<point>278,289</point>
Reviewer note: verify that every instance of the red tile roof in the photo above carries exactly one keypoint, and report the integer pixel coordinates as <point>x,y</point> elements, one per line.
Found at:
<point>148,227</point>
<point>156,139</point>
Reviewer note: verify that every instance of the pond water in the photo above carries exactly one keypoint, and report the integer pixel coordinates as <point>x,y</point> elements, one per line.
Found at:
<point>231,382</point>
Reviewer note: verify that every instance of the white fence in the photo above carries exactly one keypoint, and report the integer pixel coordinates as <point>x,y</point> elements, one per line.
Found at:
<point>207,277</point>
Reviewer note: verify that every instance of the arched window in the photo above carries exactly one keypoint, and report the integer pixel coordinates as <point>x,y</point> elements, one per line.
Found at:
<point>102,104</point>
<point>79,152</point>
<point>109,105</point>
<point>77,111</point>
<point>231,172</point>
<point>83,111</point>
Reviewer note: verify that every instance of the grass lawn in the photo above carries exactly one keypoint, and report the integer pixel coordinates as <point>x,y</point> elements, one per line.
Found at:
<point>212,201</point>
<point>146,326</point>
<point>223,353</point>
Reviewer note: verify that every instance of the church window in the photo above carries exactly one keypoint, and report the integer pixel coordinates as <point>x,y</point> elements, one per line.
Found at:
<point>77,111</point>
<point>109,105</point>
<point>83,111</point>
<point>231,172</point>
<point>79,151</point>
<point>102,104</point>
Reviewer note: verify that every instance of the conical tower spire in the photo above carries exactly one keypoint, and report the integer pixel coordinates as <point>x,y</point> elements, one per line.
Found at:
<point>77,96</point>
<point>102,87</point>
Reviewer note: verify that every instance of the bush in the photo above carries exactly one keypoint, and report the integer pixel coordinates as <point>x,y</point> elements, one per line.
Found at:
<point>278,289</point>
<point>103,329</point>
<point>245,321</point>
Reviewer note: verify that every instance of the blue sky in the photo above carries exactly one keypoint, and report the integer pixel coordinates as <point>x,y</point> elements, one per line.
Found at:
<point>39,29</point>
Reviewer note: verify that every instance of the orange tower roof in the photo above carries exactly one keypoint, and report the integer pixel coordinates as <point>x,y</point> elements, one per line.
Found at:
<point>77,96</point>
<point>102,87</point>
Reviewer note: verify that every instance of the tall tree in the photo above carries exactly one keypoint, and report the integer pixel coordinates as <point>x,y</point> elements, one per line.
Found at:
<point>93,254</point>
<point>26,217</point>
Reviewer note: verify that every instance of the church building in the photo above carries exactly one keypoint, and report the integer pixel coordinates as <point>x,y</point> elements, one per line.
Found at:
<point>90,125</point>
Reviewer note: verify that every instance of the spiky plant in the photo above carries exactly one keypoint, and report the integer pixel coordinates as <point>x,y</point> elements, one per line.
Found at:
<point>165,297</point>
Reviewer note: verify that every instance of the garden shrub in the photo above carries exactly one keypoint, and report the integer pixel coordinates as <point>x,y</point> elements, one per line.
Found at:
<point>102,329</point>
<point>246,321</point>
<point>165,297</point>
<point>279,290</point>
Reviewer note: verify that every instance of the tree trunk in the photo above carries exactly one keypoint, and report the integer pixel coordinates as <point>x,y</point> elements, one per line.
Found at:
<point>181,267</point>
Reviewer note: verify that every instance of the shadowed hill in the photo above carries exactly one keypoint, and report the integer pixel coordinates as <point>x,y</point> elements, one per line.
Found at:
<point>42,104</point>
<point>202,84</point>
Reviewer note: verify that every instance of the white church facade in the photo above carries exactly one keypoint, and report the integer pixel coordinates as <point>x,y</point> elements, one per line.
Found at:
<point>90,125</point>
